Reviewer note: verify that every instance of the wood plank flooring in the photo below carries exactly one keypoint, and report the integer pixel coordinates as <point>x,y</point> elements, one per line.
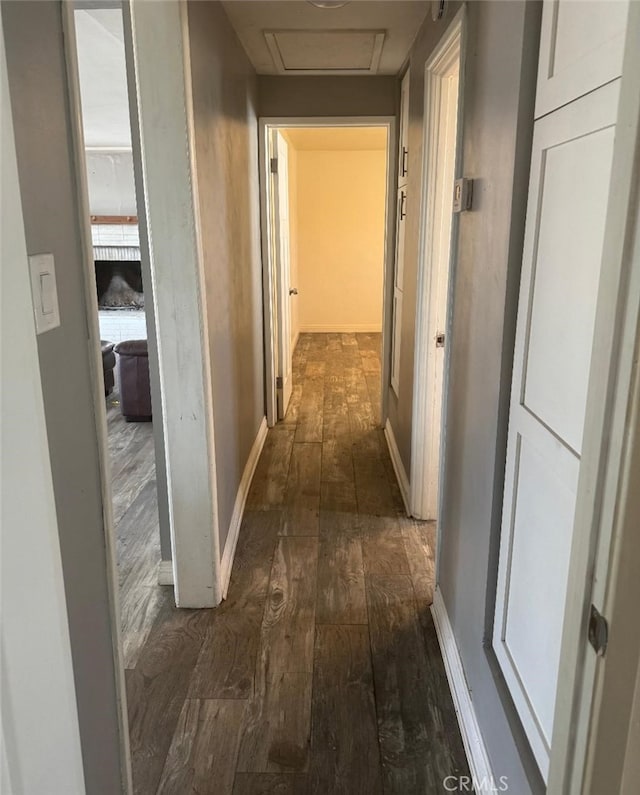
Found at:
<point>321,672</point>
<point>135,514</point>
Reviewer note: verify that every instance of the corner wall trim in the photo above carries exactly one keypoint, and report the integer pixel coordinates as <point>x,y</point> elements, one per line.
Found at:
<point>398,466</point>
<point>165,572</point>
<point>472,740</point>
<point>238,508</point>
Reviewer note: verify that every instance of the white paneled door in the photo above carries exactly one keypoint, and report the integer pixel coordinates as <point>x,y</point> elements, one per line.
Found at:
<point>568,197</point>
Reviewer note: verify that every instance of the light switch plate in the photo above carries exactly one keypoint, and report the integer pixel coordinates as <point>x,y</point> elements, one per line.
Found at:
<point>44,293</point>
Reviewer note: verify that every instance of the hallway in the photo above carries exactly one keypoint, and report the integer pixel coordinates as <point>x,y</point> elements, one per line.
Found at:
<point>321,672</point>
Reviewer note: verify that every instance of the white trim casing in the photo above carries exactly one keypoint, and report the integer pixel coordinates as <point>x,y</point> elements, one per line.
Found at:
<point>238,508</point>
<point>474,746</point>
<point>398,466</point>
<point>425,480</point>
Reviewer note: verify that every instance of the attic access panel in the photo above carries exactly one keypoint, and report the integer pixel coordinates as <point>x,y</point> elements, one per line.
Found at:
<point>325,51</point>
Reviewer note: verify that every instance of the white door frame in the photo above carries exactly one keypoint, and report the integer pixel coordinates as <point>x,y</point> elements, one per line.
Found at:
<point>265,125</point>
<point>602,495</point>
<point>185,370</point>
<point>423,483</point>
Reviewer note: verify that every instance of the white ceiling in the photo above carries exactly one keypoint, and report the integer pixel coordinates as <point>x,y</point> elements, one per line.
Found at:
<point>294,37</point>
<point>103,78</point>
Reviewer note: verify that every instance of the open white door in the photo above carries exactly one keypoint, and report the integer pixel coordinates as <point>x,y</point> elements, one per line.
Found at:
<point>281,236</point>
<point>442,74</point>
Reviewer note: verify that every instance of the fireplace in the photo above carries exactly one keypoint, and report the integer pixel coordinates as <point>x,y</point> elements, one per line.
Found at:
<point>119,284</point>
<point>116,254</point>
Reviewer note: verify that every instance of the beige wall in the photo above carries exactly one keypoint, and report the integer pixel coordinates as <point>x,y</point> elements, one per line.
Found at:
<point>226,146</point>
<point>338,217</point>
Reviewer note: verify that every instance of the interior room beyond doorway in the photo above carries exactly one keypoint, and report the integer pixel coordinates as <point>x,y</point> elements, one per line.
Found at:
<point>337,202</point>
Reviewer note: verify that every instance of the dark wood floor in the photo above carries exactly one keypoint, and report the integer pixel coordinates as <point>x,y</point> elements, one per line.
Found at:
<point>135,514</point>
<point>321,672</point>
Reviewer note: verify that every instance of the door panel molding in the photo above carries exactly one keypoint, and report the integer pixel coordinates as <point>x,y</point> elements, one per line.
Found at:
<point>578,54</point>
<point>548,400</point>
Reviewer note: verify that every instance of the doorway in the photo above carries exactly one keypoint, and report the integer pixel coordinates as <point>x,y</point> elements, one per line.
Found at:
<point>121,319</point>
<point>433,319</point>
<point>126,322</point>
<point>325,214</point>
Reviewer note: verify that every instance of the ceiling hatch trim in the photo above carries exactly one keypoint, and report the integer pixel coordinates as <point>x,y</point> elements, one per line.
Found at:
<point>322,52</point>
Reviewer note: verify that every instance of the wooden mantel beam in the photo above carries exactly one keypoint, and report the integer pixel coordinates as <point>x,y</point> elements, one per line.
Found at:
<point>114,219</point>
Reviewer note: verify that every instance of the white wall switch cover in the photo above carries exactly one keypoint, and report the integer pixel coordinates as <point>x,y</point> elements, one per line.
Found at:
<point>44,293</point>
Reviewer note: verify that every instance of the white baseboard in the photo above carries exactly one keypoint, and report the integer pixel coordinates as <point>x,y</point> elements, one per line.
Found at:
<point>474,747</point>
<point>165,572</point>
<point>295,340</point>
<point>398,466</point>
<point>238,509</point>
<point>356,328</point>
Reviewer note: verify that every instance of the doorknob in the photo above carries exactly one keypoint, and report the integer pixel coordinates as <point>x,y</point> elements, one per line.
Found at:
<point>440,340</point>
<point>293,291</point>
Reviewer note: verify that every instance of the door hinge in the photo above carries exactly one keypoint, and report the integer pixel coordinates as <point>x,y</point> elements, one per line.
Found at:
<point>279,382</point>
<point>273,165</point>
<point>598,631</point>
<point>440,339</point>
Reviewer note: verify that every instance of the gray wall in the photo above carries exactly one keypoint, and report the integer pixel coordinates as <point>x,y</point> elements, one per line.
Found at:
<point>327,96</point>
<point>226,145</point>
<point>37,78</point>
<point>498,93</point>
